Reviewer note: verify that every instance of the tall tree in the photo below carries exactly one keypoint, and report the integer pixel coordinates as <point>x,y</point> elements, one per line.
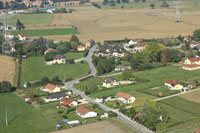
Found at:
<point>126,74</point>
<point>165,56</point>
<point>196,35</point>
<point>19,25</point>
<point>74,38</point>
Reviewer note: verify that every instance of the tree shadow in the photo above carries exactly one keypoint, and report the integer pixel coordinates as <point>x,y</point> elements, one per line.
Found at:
<point>12,120</point>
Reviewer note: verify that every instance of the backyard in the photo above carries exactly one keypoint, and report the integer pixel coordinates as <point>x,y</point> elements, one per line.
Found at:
<point>34,68</point>
<point>75,56</point>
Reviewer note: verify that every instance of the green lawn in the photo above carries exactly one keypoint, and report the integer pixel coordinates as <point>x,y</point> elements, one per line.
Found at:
<point>30,18</point>
<point>181,111</point>
<point>75,56</point>
<point>47,32</point>
<point>34,68</point>
<point>22,118</point>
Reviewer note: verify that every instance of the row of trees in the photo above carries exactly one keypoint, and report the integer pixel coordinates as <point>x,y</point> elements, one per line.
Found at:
<point>6,87</point>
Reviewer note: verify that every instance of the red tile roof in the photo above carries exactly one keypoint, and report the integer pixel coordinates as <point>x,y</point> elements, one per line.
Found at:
<point>191,65</point>
<point>51,50</point>
<point>50,87</point>
<point>197,131</point>
<point>66,101</point>
<point>194,59</point>
<point>195,42</point>
<point>22,35</point>
<point>123,95</point>
<point>84,110</point>
<point>171,82</point>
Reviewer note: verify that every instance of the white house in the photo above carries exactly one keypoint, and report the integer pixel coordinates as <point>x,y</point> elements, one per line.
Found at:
<point>125,98</point>
<point>85,112</point>
<point>194,44</point>
<point>60,59</point>
<point>51,88</point>
<point>110,82</point>
<point>122,68</point>
<point>118,54</point>
<point>139,47</point>
<point>191,67</point>
<point>194,60</point>
<point>133,42</point>
<point>9,36</point>
<point>21,37</point>
<point>55,97</point>
<point>173,85</point>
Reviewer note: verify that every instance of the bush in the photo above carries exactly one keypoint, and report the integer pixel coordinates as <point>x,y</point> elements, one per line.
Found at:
<point>60,111</point>
<point>64,116</point>
<point>112,114</point>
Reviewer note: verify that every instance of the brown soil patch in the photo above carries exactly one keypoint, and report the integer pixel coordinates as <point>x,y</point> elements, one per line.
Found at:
<point>192,96</point>
<point>7,69</point>
<point>97,127</point>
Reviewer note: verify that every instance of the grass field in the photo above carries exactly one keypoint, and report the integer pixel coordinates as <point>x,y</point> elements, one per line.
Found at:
<point>74,56</point>
<point>34,68</point>
<point>7,69</point>
<point>28,19</point>
<point>22,118</point>
<point>181,111</point>
<point>156,77</point>
<point>47,32</point>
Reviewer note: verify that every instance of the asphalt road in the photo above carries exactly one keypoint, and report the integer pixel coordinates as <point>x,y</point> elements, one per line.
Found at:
<point>69,86</point>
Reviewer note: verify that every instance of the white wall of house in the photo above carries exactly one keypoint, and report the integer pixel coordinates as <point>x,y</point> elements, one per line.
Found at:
<point>127,101</point>
<point>88,115</point>
<point>195,68</point>
<point>61,61</point>
<point>109,85</point>
<point>187,61</point>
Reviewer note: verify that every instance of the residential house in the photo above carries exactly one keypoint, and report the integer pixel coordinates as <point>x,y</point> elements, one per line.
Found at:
<point>102,53</point>
<point>55,97</point>
<point>136,41</point>
<point>122,68</point>
<point>22,37</point>
<point>90,43</point>
<point>197,131</point>
<point>173,85</point>
<point>81,48</point>
<point>191,67</point>
<point>194,44</point>
<point>110,82</point>
<point>125,98</point>
<point>194,60</point>
<point>69,102</point>
<point>139,47</point>
<point>51,88</point>
<point>85,112</point>
<point>60,59</point>
<point>118,54</point>
<point>9,36</point>
<point>50,50</point>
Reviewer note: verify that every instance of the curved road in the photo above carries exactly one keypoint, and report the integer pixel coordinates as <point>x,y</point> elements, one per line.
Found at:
<point>69,86</point>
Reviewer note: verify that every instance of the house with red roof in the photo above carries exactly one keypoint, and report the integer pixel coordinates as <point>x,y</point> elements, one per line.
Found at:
<point>197,131</point>
<point>85,112</point>
<point>125,98</point>
<point>193,60</point>
<point>135,41</point>
<point>51,88</point>
<point>173,85</point>
<point>191,67</point>
<point>50,50</point>
<point>81,48</point>
<point>68,102</point>
<point>21,37</point>
<point>110,82</point>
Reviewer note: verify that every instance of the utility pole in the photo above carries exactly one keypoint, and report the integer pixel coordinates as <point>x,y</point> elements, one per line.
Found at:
<point>177,14</point>
<point>6,115</point>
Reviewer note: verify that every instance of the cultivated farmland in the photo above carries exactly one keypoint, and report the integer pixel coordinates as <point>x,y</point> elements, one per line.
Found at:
<point>7,69</point>
<point>192,96</point>
<point>34,68</point>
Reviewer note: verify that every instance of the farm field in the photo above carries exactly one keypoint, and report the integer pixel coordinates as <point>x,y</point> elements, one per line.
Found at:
<point>47,32</point>
<point>30,19</point>
<point>7,69</point>
<point>22,117</point>
<point>192,96</point>
<point>181,111</point>
<point>97,127</point>
<point>34,68</point>
<point>131,22</point>
<point>74,56</point>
